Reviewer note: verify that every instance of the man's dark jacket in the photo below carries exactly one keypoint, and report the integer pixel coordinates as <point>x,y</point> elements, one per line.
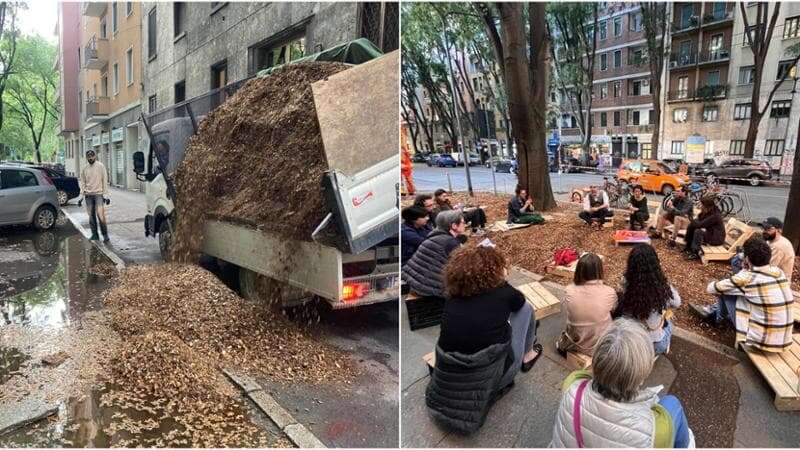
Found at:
<point>424,271</point>
<point>411,238</point>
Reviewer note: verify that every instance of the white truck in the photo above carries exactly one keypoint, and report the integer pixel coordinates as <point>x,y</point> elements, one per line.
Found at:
<point>353,257</point>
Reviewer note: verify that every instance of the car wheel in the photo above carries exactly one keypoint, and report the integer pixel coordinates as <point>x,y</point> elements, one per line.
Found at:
<point>63,198</point>
<point>44,218</point>
<point>164,239</point>
<point>755,180</point>
<point>46,243</point>
<point>667,189</point>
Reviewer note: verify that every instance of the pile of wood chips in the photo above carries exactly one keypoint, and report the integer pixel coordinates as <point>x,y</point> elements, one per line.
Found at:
<point>532,248</point>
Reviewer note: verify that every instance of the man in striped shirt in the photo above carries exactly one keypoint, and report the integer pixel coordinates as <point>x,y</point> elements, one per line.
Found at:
<point>763,315</point>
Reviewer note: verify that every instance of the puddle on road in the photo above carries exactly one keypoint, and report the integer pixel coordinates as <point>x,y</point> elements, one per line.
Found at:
<point>11,361</point>
<point>51,278</point>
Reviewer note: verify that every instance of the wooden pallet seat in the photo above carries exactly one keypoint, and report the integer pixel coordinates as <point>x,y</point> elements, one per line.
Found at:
<point>782,372</point>
<point>736,233</point>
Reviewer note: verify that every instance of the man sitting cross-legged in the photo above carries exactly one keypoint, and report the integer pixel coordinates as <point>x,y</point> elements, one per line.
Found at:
<point>520,208</point>
<point>595,207</point>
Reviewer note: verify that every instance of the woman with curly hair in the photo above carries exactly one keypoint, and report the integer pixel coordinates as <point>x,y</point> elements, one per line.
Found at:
<point>488,334</point>
<point>647,295</point>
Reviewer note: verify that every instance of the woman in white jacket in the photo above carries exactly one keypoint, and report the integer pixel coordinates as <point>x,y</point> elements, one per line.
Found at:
<point>610,408</point>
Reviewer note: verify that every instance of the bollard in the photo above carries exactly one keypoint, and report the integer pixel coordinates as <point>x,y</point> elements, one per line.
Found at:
<point>449,182</point>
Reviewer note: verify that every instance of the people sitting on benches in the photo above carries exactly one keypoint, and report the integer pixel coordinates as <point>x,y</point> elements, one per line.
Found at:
<point>707,229</point>
<point>677,211</point>
<point>520,208</point>
<point>782,249</point>
<point>474,215</point>
<point>640,213</point>
<point>488,334</point>
<point>589,304</point>
<point>425,201</point>
<point>413,231</point>
<point>595,207</point>
<point>423,273</point>
<point>609,405</point>
<point>758,294</point>
<point>647,296</point>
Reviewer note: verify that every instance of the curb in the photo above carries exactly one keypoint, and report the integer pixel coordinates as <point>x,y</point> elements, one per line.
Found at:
<point>706,343</point>
<point>296,432</point>
<point>98,244</point>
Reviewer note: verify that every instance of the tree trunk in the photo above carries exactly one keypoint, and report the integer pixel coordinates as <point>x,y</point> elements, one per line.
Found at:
<point>791,222</point>
<point>539,170</point>
<point>655,83</point>
<point>752,131</point>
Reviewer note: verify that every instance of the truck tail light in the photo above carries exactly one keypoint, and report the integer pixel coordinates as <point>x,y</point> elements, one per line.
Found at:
<point>354,291</point>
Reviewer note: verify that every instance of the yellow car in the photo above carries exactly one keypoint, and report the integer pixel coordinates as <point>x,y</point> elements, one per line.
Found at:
<point>652,175</point>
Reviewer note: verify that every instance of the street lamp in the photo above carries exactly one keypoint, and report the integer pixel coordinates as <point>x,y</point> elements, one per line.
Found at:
<point>464,153</point>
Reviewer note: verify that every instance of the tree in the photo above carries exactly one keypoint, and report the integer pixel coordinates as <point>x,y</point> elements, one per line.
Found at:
<point>574,32</point>
<point>8,46</point>
<point>31,91</point>
<point>791,226</point>
<point>758,37</point>
<point>523,56</point>
<point>655,22</point>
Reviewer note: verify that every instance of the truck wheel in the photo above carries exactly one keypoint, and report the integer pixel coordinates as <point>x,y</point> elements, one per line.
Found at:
<point>755,180</point>
<point>44,218</point>
<point>164,239</point>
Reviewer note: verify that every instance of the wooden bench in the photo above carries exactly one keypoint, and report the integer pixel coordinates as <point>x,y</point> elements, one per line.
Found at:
<point>796,306</point>
<point>736,233</point>
<point>577,361</point>
<point>566,271</point>
<point>544,303</point>
<point>782,372</point>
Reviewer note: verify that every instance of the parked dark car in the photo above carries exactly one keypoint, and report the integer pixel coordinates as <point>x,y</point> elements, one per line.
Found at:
<point>443,160</point>
<point>572,166</point>
<point>67,186</point>
<point>507,166</point>
<point>419,157</point>
<point>754,170</point>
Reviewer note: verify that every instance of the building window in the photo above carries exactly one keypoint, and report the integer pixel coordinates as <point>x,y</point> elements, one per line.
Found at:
<point>103,28</point>
<point>736,148</point>
<point>179,17</point>
<point>114,25</point>
<point>274,54</point>
<point>741,111</point>
<point>780,109</point>
<point>647,151</point>
<point>151,34</point>
<point>219,74</point>
<point>774,147</point>
<point>603,61</point>
<point>640,87</point>
<point>617,59</point>
<point>80,101</point>
<point>712,78</point>
<point>751,30</point>
<point>103,85</point>
<point>601,25</point>
<point>710,113</point>
<point>617,88</point>
<point>618,26</point>
<point>680,115</point>
<point>785,70</point>
<point>617,118</point>
<point>128,8</point>
<point>746,74</point>
<point>635,117</point>
<point>180,92</point>
<point>651,117</point>
<point>151,104</point>
<point>683,87</point>
<point>603,119</point>
<point>636,57</point>
<point>677,148</point>
<point>115,80</point>
<point>791,28</point>
<point>604,90</point>
<point>129,66</point>
<point>635,21</point>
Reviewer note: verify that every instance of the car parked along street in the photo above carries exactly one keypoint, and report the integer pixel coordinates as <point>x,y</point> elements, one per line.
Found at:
<point>27,197</point>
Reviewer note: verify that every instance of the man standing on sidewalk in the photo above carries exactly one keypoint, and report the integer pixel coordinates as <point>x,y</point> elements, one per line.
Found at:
<point>94,187</point>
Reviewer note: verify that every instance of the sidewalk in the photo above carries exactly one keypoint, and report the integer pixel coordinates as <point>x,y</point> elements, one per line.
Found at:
<point>524,417</point>
<point>125,217</point>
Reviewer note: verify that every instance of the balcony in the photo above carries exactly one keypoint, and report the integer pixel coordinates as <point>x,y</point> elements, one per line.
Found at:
<point>96,109</point>
<point>95,54</point>
<point>680,60</point>
<point>717,18</point>
<point>702,94</point>
<point>640,129</point>
<point>685,25</point>
<point>94,9</point>
<point>715,56</point>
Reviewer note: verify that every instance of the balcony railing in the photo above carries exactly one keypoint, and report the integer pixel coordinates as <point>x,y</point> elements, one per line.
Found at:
<point>717,17</point>
<point>703,93</point>
<point>681,94</point>
<point>717,55</point>
<point>640,128</point>
<point>677,60</point>
<point>94,9</point>
<point>95,53</point>
<point>96,109</point>
<point>685,25</point>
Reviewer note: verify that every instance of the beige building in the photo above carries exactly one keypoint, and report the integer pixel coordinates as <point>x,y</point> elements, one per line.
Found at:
<point>110,85</point>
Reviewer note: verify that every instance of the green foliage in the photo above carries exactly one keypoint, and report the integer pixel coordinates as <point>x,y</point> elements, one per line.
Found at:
<point>31,121</point>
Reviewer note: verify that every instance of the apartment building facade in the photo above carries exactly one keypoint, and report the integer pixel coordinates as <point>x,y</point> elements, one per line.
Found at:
<point>721,113</point>
<point>68,65</point>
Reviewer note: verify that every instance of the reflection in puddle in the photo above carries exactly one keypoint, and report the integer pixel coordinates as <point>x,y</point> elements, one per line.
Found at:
<point>11,360</point>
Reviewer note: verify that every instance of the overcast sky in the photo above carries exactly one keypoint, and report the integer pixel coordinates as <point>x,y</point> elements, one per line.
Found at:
<point>40,18</point>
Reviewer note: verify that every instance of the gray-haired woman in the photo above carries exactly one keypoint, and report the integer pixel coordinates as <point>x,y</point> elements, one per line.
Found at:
<point>611,408</point>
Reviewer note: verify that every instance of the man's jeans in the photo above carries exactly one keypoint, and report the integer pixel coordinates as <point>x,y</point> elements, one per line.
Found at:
<point>675,409</point>
<point>725,307</point>
<point>96,210</point>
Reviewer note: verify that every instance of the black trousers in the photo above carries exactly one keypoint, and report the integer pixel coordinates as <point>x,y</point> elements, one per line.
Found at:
<point>476,217</point>
<point>695,238</point>
<point>640,218</point>
<point>600,214</point>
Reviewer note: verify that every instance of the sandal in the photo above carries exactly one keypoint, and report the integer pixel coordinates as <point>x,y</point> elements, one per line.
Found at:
<point>527,366</point>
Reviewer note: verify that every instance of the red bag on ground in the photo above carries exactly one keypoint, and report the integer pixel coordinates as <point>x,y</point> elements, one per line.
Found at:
<point>565,256</point>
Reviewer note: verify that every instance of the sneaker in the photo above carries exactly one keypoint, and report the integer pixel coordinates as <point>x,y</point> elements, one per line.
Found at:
<point>691,256</point>
<point>704,312</point>
<point>106,239</point>
<point>94,238</point>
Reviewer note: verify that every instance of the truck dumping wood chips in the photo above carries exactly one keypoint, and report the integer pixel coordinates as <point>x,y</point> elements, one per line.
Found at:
<point>256,160</point>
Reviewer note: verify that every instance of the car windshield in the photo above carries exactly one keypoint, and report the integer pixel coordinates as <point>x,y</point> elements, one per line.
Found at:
<point>664,168</point>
